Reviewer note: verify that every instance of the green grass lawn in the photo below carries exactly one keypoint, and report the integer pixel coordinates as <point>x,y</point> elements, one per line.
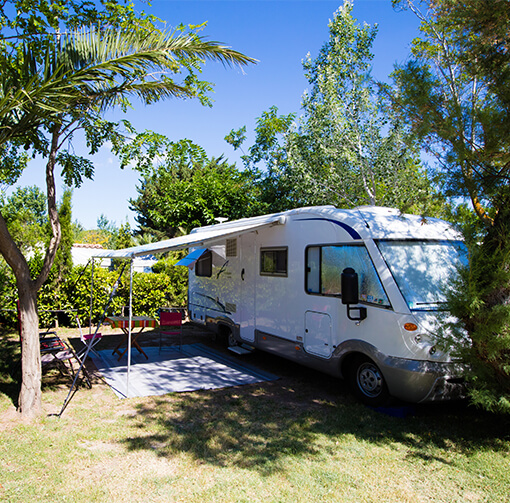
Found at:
<point>298,439</point>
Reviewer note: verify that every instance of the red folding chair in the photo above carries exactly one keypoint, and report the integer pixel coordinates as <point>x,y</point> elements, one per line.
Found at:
<point>170,323</point>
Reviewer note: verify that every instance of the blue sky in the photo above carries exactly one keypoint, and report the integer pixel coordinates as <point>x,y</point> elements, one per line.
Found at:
<point>279,34</point>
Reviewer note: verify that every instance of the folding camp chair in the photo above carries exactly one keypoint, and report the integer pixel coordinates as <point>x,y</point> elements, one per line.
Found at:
<point>56,353</point>
<point>90,339</point>
<point>170,323</point>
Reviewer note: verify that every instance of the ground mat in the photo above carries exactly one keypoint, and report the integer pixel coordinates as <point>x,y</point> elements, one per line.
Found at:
<point>170,370</point>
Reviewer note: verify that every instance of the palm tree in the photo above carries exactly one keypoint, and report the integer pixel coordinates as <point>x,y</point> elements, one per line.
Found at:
<point>81,75</point>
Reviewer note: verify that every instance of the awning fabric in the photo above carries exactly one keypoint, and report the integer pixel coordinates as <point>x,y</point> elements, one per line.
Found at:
<point>201,237</point>
<point>190,259</point>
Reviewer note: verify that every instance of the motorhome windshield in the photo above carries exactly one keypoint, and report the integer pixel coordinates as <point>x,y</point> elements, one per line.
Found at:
<point>422,269</point>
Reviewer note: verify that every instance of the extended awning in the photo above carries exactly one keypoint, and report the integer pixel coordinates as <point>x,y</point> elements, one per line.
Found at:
<point>201,237</point>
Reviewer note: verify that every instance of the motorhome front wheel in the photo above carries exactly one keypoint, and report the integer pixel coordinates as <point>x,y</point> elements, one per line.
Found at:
<point>367,382</point>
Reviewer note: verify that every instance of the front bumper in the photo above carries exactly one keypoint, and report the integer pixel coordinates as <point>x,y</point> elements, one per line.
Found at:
<point>423,381</point>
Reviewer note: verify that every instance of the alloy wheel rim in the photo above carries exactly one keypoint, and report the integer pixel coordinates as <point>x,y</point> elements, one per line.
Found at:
<point>370,381</point>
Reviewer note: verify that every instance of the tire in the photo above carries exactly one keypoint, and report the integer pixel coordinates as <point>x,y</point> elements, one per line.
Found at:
<point>367,382</point>
<point>226,336</point>
<point>231,341</point>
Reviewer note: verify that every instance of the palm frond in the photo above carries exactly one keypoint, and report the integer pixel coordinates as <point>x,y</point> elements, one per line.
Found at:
<point>98,68</point>
<point>89,47</point>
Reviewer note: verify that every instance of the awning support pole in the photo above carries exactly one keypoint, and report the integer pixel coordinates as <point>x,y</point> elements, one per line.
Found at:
<point>91,341</point>
<point>130,320</point>
<point>91,296</point>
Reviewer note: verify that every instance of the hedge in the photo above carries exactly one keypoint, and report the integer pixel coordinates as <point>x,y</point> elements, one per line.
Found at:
<point>151,291</point>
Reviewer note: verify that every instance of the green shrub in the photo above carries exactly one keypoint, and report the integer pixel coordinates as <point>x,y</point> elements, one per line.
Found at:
<point>150,292</point>
<point>73,295</point>
<point>481,301</point>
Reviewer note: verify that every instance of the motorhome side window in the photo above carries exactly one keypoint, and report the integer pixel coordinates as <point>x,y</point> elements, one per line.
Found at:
<point>324,266</point>
<point>203,266</point>
<point>273,261</point>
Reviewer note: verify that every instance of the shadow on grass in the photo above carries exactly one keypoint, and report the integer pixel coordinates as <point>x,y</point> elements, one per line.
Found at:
<point>304,414</point>
<point>10,370</point>
<point>10,367</point>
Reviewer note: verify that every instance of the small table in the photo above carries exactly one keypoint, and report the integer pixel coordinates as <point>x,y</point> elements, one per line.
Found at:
<point>122,322</point>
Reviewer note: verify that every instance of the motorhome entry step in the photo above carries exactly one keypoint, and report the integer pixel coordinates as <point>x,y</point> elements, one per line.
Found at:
<point>243,349</point>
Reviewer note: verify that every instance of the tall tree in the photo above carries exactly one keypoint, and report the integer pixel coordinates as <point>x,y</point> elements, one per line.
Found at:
<point>124,237</point>
<point>480,28</point>
<point>454,94</point>
<point>349,148</point>
<point>450,104</point>
<point>56,81</point>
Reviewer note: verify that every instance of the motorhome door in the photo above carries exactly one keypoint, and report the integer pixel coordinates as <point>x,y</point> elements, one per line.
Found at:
<point>248,280</point>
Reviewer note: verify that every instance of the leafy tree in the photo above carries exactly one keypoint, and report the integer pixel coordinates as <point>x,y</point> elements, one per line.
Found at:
<point>78,230</point>
<point>24,212</point>
<point>7,295</point>
<point>450,105</point>
<point>181,187</point>
<point>267,160</point>
<point>124,237</point>
<point>454,93</point>
<point>105,234</point>
<point>63,65</point>
<point>481,31</point>
<point>349,148</point>
<point>121,238</point>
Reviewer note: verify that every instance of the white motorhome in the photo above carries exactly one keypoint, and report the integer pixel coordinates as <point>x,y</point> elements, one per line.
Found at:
<point>275,283</point>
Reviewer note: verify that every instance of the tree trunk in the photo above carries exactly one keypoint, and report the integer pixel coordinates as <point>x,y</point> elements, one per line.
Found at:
<point>29,403</point>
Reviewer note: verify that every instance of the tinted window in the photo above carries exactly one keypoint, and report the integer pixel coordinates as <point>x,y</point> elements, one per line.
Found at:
<point>204,265</point>
<point>273,261</point>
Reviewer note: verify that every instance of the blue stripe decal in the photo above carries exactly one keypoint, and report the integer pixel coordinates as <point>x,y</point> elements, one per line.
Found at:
<point>353,233</point>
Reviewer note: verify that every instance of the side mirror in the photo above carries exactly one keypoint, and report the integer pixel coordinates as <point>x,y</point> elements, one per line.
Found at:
<point>350,294</point>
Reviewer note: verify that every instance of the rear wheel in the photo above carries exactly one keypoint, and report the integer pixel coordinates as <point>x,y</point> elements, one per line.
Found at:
<point>367,382</point>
